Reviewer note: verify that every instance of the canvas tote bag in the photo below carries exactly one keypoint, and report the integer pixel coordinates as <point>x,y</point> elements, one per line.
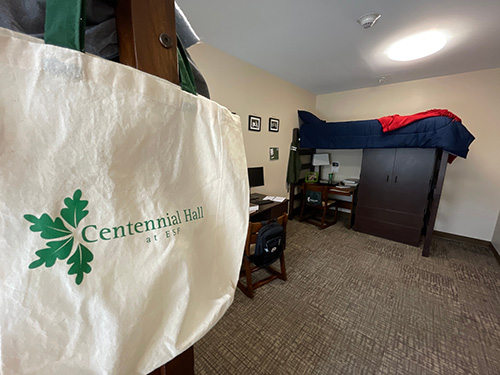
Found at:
<point>123,213</point>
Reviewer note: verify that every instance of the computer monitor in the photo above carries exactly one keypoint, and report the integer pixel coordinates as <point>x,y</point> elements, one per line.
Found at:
<point>256,176</point>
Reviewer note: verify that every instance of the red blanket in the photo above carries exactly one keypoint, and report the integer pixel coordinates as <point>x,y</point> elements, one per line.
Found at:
<point>396,121</point>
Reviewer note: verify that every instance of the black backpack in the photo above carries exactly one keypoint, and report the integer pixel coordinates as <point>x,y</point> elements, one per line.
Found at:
<point>269,245</point>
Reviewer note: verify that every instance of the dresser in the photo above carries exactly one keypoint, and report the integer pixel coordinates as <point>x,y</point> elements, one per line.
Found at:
<point>394,192</point>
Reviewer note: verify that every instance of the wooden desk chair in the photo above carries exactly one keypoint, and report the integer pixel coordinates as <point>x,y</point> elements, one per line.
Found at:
<point>316,196</point>
<point>248,267</point>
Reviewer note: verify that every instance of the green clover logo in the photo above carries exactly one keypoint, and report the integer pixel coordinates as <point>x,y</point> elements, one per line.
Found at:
<point>63,238</point>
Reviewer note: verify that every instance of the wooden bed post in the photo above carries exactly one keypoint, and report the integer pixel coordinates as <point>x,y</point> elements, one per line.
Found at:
<point>148,42</point>
<point>436,196</point>
<point>308,166</point>
<point>147,37</point>
<point>291,201</point>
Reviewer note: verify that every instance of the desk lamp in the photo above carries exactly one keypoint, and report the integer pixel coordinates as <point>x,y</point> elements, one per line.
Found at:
<point>320,160</point>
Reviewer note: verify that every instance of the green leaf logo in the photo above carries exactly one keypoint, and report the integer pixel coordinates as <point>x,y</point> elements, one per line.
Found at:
<point>64,241</point>
<point>75,210</point>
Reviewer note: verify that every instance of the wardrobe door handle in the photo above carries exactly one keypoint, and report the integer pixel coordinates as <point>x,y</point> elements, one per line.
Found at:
<point>396,179</point>
<point>387,180</point>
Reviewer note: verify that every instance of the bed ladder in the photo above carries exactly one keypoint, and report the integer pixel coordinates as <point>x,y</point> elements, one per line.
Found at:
<point>295,196</point>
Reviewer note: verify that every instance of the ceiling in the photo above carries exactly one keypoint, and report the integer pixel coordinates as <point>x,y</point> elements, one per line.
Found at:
<point>319,46</point>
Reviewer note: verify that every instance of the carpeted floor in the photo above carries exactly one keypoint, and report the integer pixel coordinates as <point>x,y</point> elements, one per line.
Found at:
<point>357,304</point>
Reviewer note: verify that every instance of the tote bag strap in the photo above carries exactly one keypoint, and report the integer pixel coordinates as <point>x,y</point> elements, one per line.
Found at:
<point>186,76</point>
<point>65,24</point>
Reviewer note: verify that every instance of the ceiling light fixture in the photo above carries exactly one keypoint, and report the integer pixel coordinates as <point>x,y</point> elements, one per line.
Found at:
<point>368,20</point>
<point>417,46</point>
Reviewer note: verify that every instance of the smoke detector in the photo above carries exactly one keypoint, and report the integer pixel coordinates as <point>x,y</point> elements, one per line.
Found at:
<point>368,20</point>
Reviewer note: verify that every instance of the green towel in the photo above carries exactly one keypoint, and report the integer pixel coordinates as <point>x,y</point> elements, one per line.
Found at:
<point>294,164</point>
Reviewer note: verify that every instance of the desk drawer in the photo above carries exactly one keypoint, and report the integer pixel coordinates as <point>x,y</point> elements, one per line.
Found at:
<point>269,211</point>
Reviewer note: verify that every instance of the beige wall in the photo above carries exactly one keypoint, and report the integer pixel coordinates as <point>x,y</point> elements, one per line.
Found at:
<point>247,90</point>
<point>471,195</point>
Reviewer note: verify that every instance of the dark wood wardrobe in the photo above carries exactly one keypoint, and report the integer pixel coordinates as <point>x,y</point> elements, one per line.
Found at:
<point>396,192</point>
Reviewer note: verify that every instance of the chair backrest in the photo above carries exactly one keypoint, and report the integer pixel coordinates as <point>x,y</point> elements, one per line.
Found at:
<point>253,230</point>
<point>320,192</point>
<point>314,187</point>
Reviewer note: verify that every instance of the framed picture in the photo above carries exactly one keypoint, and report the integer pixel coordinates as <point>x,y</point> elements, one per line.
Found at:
<point>254,123</point>
<point>274,153</point>
<point>274,125</point>
<point>311,177</point>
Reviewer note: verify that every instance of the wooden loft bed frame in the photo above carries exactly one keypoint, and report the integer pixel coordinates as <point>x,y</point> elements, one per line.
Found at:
<point>295,196</point>
<point>139,25</point>
<point>147,41</point>
<point>434,195</point>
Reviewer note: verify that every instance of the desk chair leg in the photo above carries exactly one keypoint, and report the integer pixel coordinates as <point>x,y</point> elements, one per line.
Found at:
<point>248,289</point>
<point>323,218</point>
<point>283,268</point>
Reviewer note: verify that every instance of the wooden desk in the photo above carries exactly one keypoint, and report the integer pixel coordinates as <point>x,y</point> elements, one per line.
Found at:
<point>350,205</point>
<point>347,191</point>
<point>269,211</point>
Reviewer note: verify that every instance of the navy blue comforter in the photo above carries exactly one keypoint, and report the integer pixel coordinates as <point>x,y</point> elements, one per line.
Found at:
<point>433,132</point>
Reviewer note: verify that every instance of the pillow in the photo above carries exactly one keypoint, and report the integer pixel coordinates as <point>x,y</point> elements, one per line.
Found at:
<point>309,118</point>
